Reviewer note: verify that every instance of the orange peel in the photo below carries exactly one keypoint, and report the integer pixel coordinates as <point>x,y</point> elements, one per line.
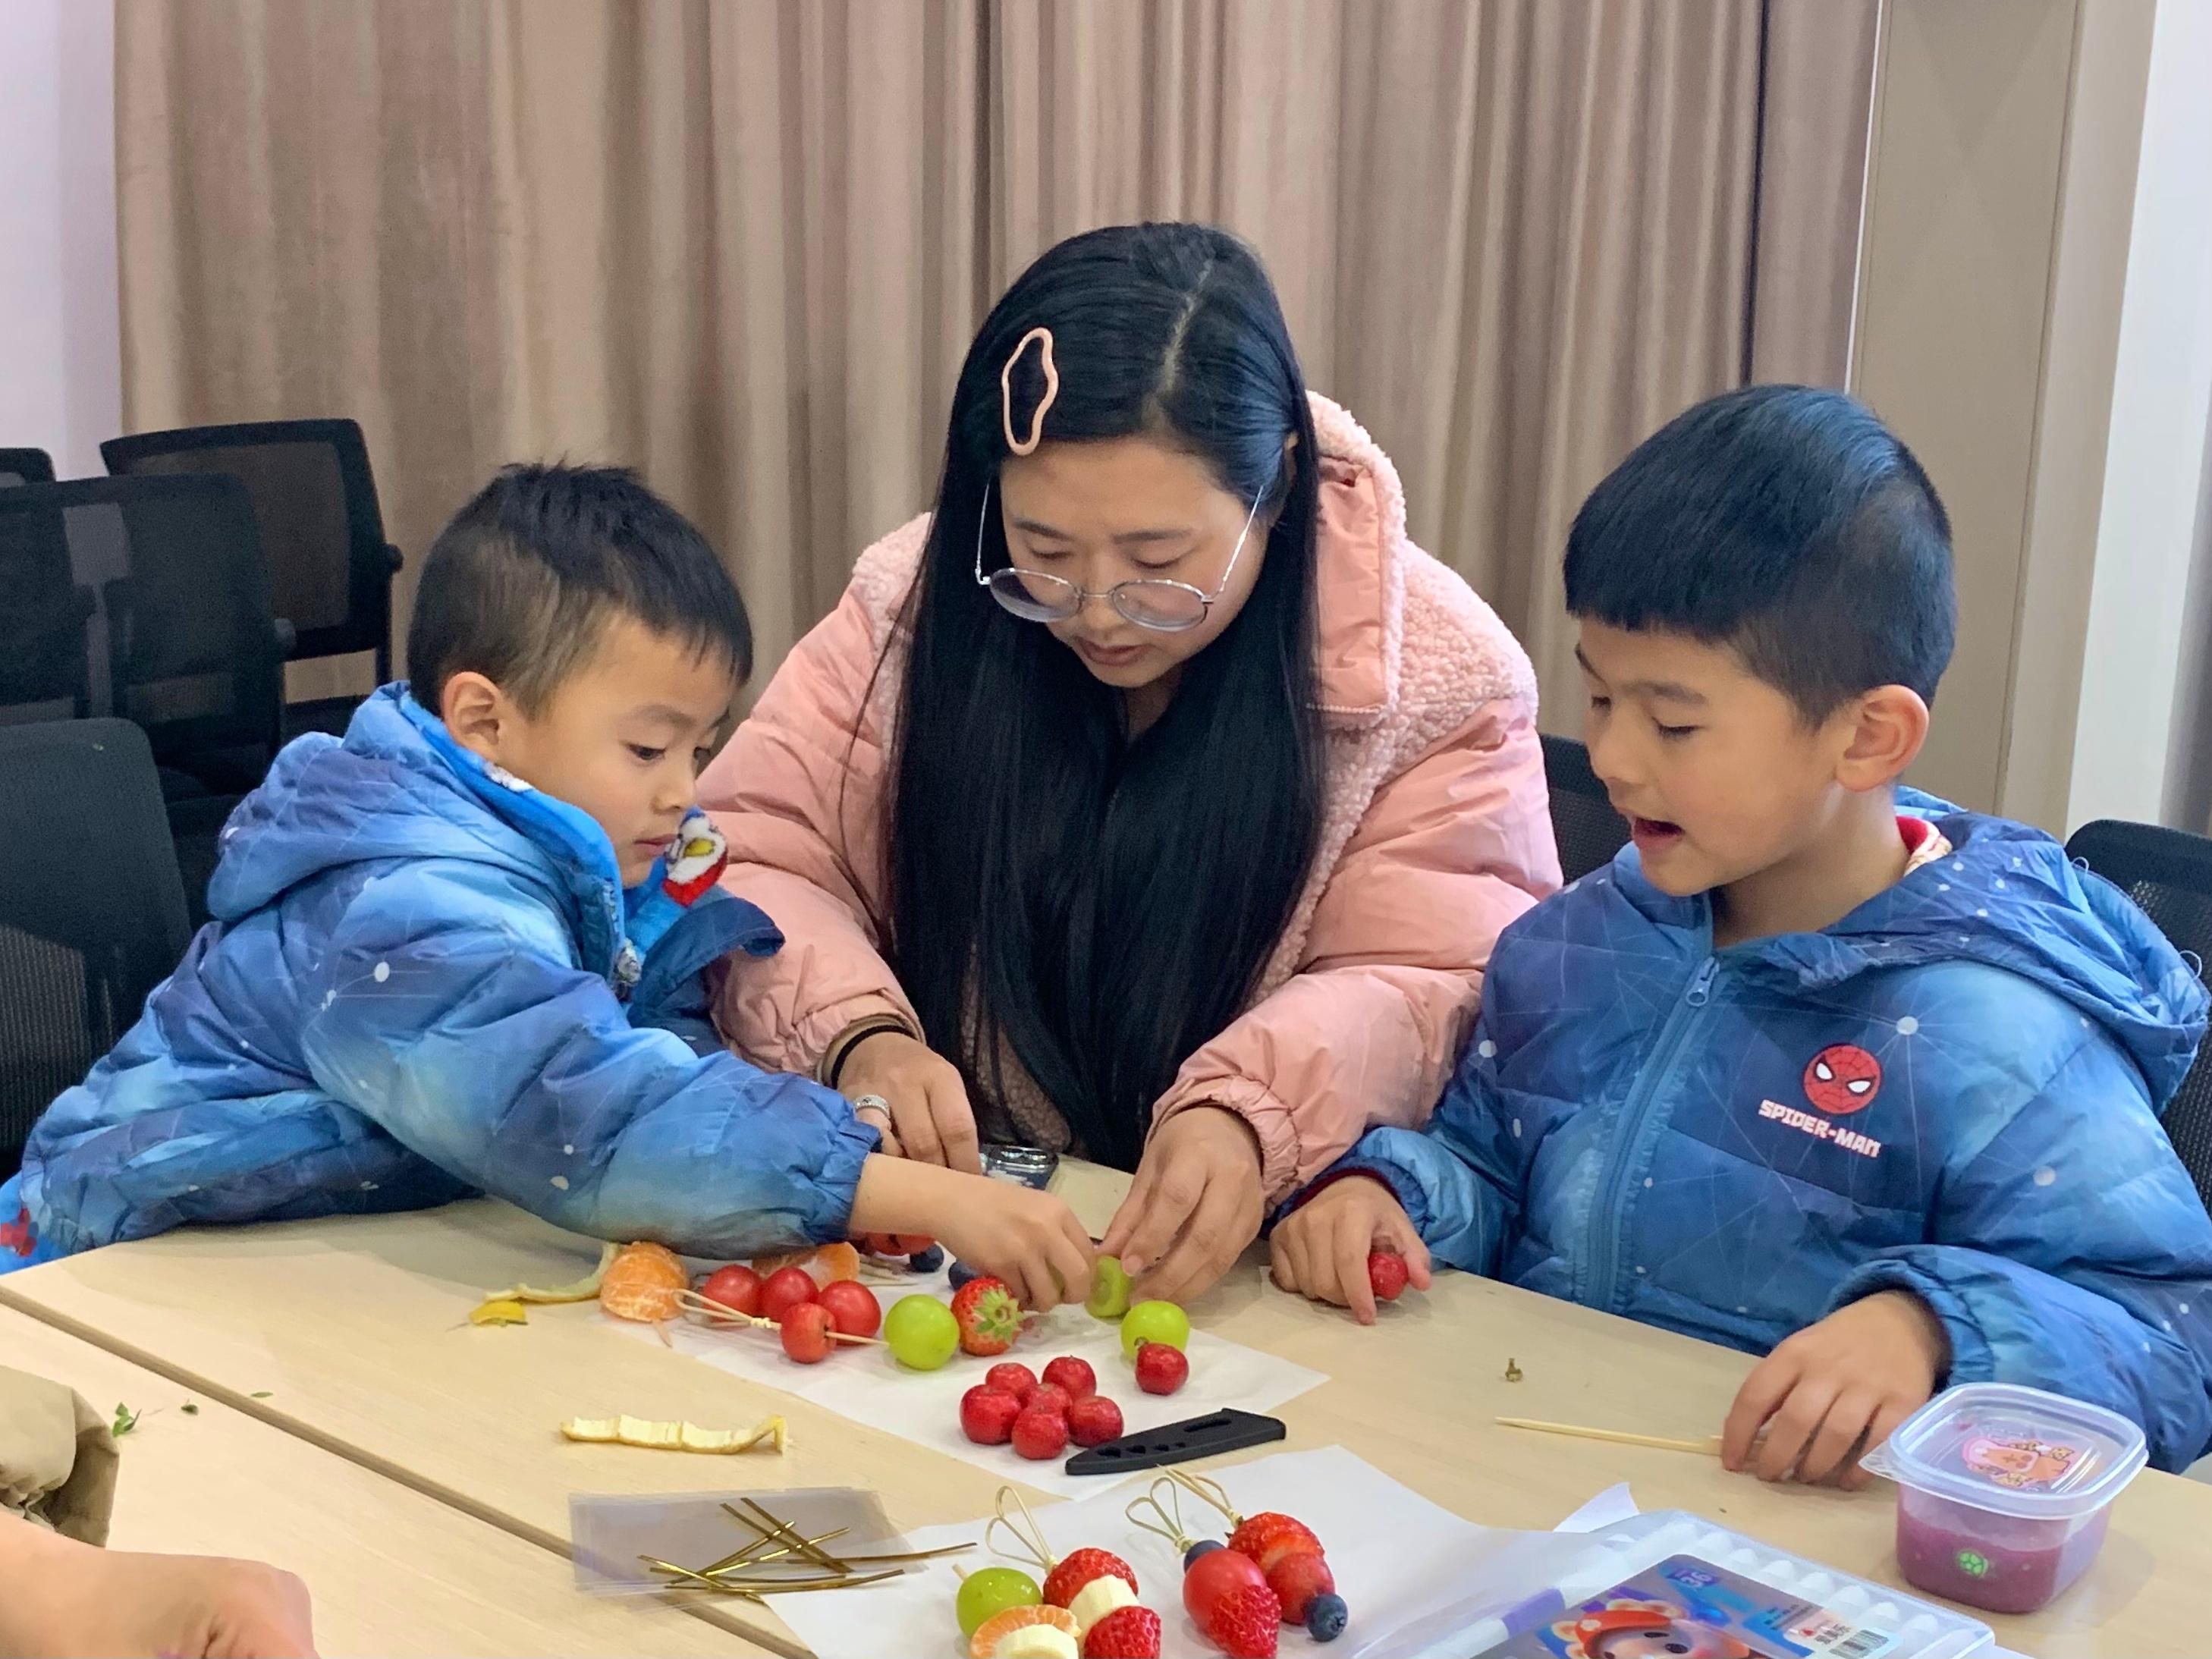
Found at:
<point>650,1435</point>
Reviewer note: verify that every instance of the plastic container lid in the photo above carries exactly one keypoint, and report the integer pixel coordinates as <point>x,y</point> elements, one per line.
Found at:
<point>2013,1450</point>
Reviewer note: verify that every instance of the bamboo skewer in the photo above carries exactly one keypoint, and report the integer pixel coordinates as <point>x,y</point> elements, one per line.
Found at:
<point>713,1313</point>
<point>1708,1445</point>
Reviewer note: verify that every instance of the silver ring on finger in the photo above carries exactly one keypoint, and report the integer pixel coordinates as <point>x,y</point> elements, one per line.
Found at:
<point>873,1103</point>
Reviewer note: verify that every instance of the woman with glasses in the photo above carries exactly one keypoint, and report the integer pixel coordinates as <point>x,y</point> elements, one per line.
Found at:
<point>1154,798</point>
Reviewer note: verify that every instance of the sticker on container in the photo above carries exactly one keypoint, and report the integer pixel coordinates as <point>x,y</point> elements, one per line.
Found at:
<point>2022,1464</point>
<point>1687,1608</point>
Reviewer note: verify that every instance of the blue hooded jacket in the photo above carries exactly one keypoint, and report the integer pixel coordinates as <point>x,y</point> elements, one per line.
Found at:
<point>409,993</point>
<point>1953,1090</point>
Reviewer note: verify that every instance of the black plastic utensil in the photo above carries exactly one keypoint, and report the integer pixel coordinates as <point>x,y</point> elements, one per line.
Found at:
<point>1209,1435</point>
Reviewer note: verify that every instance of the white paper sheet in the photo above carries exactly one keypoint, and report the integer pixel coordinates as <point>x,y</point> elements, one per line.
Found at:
<point>869,1386</point>
<point>1609,1508</point>
<point>1399,1561</point>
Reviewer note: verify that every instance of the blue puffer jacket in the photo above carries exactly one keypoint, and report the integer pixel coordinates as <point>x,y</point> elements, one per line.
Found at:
<point>1953,1090</point>
<point>409,993</point>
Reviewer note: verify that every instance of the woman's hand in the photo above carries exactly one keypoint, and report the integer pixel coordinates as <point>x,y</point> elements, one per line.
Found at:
<point>1195,1206</point>
<point>1320,1248</point>
<point>932,1122</point>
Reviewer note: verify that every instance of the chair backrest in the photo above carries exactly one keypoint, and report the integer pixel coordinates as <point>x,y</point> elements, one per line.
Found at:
<point>92,913</point>
<point>2169,873</point>
<point>314,500</point>
<point>194,655</point>
<point>1589,831</point>
<point>44,672</point>
<point>22,466</point>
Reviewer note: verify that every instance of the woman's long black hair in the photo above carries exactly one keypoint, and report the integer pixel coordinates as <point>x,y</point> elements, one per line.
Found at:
<point>1105,902</point>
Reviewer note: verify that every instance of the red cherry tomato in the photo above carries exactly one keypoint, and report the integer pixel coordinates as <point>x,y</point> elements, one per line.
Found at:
<point>787,1288</point>
<point>805,1332</point>
<point>853,1307</point>
<point>736,1287</point>
<point>1211,1577</point>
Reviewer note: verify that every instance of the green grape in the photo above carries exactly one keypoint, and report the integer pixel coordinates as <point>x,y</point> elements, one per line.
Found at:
<point>921,1331</point>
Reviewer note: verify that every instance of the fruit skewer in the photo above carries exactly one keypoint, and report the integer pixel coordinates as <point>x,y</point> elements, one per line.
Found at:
<point>708,1312</point>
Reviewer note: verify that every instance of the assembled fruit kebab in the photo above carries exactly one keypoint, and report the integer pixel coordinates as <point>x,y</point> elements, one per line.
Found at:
<point>1272,1572</point>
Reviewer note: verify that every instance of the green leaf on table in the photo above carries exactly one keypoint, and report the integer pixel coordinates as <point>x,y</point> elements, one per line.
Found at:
<point>126,1420</point>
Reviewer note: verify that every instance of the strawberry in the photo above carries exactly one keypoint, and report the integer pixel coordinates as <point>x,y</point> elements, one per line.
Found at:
<point>1013,1378</point>
<point>987,1416</point>
<point>1078,1570</point>
<point>1297,1579</point>
<point>1160,1369</point>
<point>1245,1622</point>
<point>1040,1435</point>
<point>1386,1274</point>
<point>1093,1420</point>
<point>990,1318</point>
<point>1073,1375</point>
<point>1124,1634</point>
<point>1267,1537</point>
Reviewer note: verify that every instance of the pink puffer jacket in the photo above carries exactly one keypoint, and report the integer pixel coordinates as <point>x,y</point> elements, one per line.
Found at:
<point>1436,836</point>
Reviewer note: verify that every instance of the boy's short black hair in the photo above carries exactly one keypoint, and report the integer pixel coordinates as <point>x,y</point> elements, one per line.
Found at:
<point>1788,523</point>
<point>520,585</point>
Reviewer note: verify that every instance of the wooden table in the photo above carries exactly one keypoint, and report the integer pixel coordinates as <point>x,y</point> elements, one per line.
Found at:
<point>391,1570</point>
<point>357,1327</point>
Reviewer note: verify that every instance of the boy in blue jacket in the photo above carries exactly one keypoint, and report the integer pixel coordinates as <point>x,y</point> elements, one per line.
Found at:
<point>464,950</point>
<point>1819,1066</point>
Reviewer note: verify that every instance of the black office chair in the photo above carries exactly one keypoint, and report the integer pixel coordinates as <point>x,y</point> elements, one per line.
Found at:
<point>44,664</point>
<point>92,913</point>
<point>2169,873</point>
<point>22,466</point>
<point>322,532</point>
<point>1589,831</point>
<point>193,656</point>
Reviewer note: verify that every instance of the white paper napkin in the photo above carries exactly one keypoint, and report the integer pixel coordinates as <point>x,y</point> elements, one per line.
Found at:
<point>867,1385</point>
<point>1395,1556</point>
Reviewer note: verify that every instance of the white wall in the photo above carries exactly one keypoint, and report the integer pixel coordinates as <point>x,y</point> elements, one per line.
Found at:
<point>2134,655</point>
<point>61,383</point>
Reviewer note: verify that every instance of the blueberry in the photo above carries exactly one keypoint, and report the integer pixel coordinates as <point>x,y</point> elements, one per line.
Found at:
<point>928,1260</point>
<point>961,1273</point>
<point>1325,1617</point>
<point>1205,1546</point>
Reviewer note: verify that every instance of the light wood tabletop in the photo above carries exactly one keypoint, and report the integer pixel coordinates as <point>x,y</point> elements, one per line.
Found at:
<point>390,1571</point>
<point>356,1327</point>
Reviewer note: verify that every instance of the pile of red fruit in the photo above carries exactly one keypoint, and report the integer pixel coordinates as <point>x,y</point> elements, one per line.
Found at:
<point>806,1308</point>
<point>1010,1405</point>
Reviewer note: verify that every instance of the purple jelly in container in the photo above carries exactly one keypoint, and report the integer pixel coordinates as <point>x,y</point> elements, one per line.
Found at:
<point>2003,1493</point>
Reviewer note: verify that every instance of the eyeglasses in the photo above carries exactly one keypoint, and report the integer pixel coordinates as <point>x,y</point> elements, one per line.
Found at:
<point>1153,602</point>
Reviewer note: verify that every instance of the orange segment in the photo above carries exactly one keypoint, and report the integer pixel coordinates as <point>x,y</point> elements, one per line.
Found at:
<point>825,1263</point>
<point>987,1633</point>
<point>640,1282</point>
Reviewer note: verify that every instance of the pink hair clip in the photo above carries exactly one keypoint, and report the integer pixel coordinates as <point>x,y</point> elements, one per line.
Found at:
<point>1023,446</point>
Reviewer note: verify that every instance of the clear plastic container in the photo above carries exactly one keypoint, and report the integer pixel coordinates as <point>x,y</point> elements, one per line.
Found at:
<point>2004,1493</point>
<point>1664,1583</point>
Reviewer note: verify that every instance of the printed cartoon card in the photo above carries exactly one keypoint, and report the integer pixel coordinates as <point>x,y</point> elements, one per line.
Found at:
<point>1686,1608</point>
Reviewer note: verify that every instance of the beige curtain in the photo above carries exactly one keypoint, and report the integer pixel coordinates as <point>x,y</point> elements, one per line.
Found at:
<point>741,244</point>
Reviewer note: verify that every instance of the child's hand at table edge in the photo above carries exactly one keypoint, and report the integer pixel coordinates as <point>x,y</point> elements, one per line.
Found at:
<point>1320,1248</point>
<point>1029,1239</point>
<point>1837,1389</point>
<point>64,1597</point>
